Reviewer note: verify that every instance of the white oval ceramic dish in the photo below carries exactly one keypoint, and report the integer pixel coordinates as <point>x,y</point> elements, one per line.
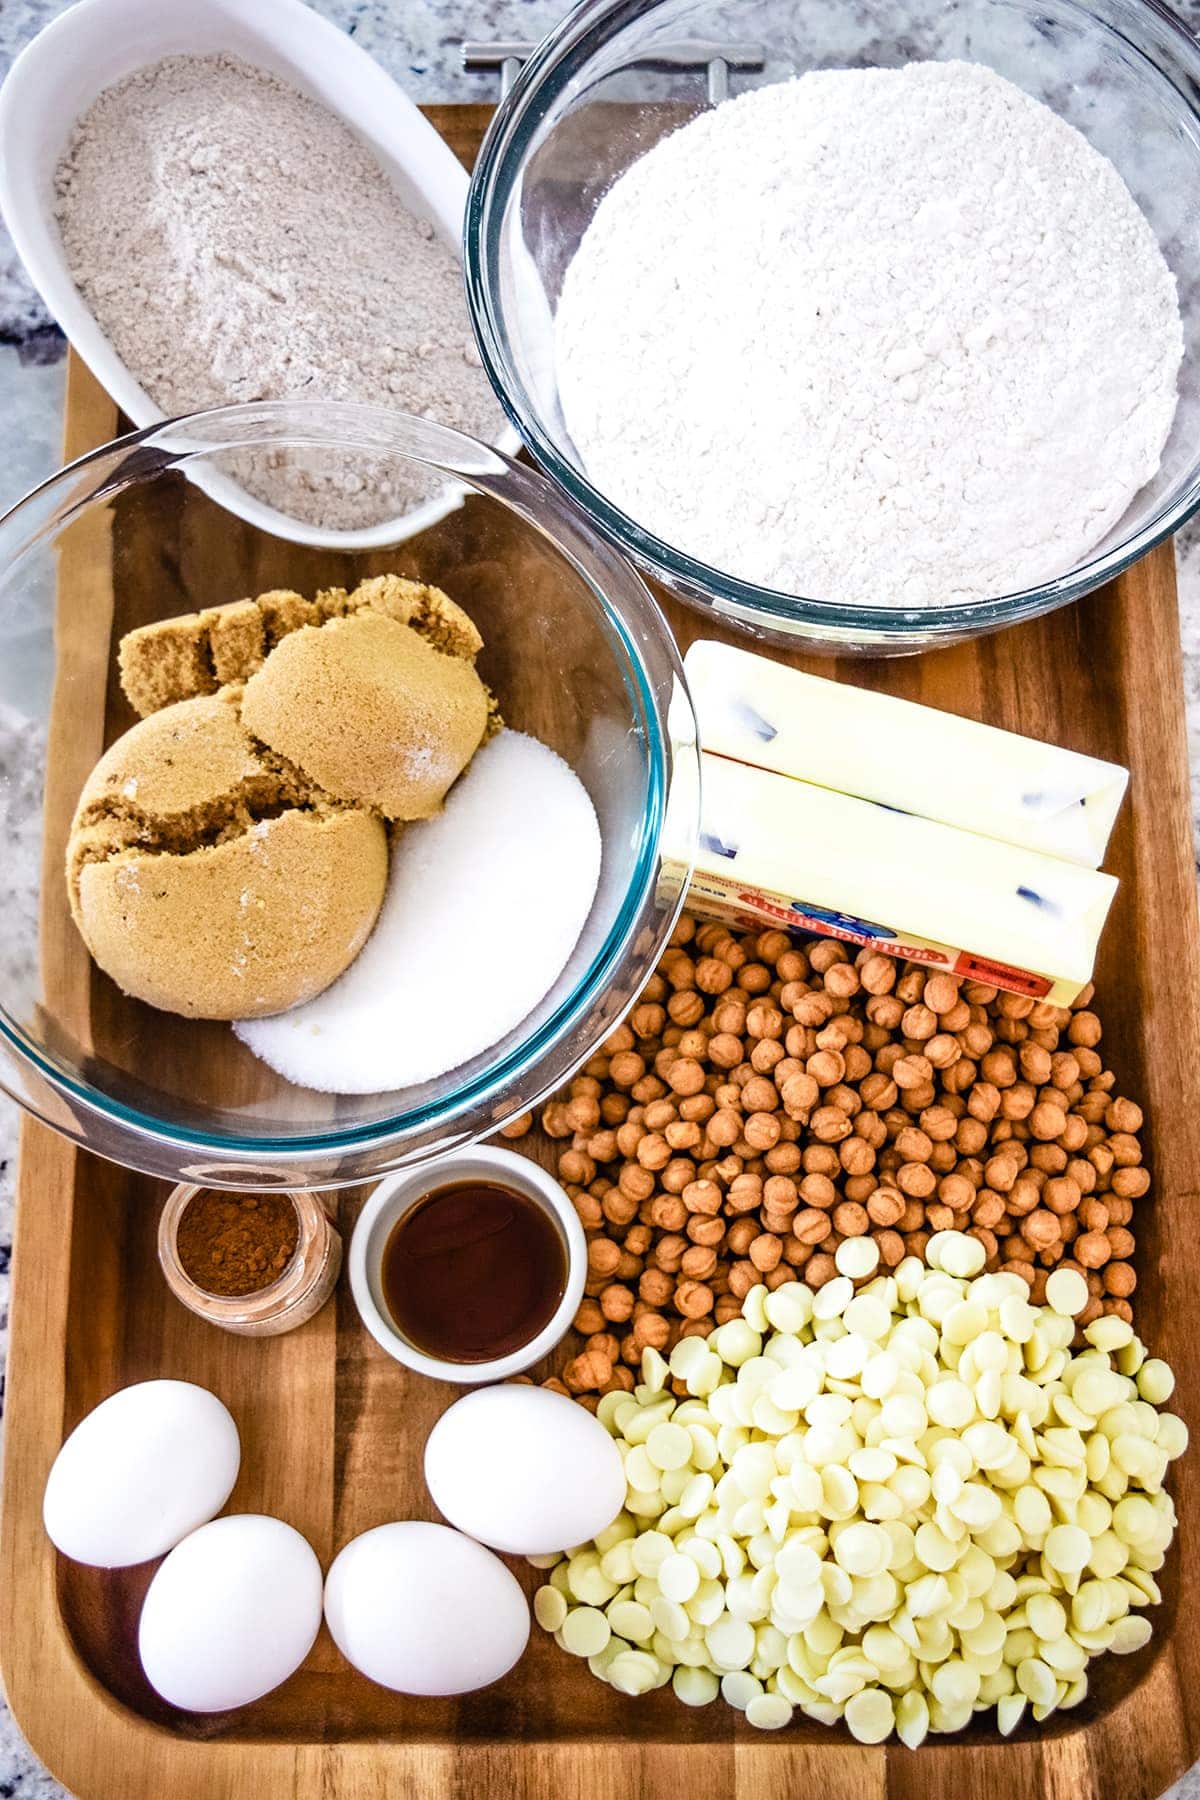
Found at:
<point>98,42</point>
<point>393,1197</point>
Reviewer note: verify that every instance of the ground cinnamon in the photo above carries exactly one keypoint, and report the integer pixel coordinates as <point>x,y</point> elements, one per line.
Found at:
<point>236,1243</point>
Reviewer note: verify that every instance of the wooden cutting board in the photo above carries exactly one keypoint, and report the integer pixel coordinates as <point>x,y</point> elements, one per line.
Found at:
<point>332,1429</point>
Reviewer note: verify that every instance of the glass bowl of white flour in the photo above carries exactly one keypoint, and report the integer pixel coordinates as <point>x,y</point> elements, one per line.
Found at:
<point>882,331</point>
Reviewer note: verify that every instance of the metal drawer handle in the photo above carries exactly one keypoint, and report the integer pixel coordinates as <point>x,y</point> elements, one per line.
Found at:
<point>507,55</point>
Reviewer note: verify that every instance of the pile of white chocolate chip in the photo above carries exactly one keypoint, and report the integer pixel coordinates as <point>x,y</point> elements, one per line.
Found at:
<point>896,1503</point>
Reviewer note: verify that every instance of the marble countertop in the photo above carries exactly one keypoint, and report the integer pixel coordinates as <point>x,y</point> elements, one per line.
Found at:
<point>417,42</point>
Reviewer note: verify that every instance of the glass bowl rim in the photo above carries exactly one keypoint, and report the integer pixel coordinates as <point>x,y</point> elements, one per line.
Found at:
<point>347,425</point>
<point>558,59</point>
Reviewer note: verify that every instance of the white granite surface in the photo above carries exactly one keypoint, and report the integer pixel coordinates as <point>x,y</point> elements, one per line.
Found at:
<point>417,41</point>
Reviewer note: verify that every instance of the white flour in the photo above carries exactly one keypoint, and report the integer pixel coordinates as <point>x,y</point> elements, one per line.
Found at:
<point>237,242</point>
<point>890,336</point>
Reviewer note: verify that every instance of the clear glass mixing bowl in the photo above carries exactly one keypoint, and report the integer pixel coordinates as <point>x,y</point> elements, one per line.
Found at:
<point>606,85</point>
<point>575,649</point>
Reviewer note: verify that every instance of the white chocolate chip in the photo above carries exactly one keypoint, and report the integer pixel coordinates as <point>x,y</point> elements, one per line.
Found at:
<point>1066,1291</point>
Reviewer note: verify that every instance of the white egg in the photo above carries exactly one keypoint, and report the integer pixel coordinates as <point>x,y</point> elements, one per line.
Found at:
<point>422,1609</point>
<point>143,1469</point>
<point>232,1612</point>
<point>524,1469</point>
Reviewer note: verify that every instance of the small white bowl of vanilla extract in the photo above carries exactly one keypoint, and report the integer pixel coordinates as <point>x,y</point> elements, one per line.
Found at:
<point>469,1271</point>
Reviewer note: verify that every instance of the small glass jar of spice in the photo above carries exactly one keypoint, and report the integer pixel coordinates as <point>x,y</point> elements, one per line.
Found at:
<point>258,1263</point>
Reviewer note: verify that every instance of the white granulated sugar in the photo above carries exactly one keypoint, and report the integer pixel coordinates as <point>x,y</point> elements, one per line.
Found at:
<point>484,906</point>
<point>888,336</point>
<point>236,241</point>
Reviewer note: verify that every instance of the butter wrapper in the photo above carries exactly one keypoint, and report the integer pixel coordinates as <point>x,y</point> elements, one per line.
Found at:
<point>899,754</point>
<point>782,852</point>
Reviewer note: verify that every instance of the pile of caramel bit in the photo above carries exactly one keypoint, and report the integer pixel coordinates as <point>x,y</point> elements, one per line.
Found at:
<point>768,1099</point>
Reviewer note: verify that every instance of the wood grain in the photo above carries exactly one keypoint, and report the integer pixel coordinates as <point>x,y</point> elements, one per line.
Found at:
<point>333,1430</point>
<point>76,734</point>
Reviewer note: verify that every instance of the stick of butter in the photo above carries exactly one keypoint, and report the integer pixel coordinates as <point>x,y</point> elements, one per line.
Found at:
<point>776,851</point>
<point>900,754</point>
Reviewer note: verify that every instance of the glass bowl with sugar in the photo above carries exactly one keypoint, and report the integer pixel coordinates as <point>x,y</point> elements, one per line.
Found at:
<point>321,862</point>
